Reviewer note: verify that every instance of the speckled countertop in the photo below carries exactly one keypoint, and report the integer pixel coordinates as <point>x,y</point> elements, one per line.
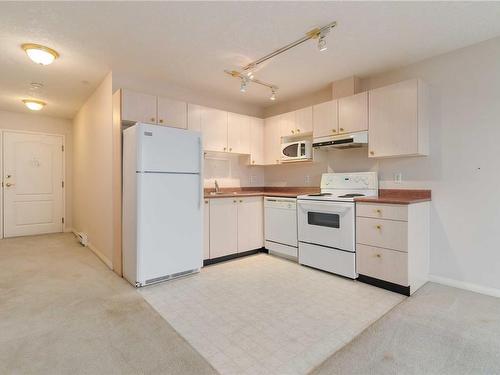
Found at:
<point>288,192</point>
<point>397,196</point>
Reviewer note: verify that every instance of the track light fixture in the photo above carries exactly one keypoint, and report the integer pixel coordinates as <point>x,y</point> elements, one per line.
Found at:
<point>248,71</point>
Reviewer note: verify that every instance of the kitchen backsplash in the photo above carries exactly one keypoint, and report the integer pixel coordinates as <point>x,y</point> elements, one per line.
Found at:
<point>231,171</point>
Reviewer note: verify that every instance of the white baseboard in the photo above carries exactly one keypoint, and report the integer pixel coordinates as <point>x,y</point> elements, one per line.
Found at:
<point>466,286</point>
<point>99,254</point>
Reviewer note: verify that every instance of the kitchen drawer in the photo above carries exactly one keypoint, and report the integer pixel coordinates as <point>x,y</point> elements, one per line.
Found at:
<point>383,264</point>
<point>389,234</point>
<point>382,211</point>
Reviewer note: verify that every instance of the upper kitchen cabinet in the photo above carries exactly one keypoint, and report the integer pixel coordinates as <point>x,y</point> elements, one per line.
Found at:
<point>287,124</point>
<point>214,129</point>
<point>194,117</point>
<point>304,120</point>
<point>272,140</point>
<point>138,107</point>
<point>172,113</point>
<point>238,133</point>
<point>325,119</point>
<point>398,120</point>
<point>256,141</point>
<point>353,113</point>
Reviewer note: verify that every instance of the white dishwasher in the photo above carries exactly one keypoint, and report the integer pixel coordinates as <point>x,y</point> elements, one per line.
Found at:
<point>280,226</point>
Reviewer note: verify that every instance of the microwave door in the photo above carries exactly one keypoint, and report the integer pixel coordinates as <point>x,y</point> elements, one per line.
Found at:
<point>291,151</point>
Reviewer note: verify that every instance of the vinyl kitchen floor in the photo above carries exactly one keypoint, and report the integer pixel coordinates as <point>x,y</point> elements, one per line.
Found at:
<point>266,315</point>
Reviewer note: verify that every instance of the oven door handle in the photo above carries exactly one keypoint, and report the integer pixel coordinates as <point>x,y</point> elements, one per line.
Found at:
<point>320,207</point>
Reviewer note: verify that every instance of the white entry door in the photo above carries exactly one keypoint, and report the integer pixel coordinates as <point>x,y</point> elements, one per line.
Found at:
<point>32,184</point>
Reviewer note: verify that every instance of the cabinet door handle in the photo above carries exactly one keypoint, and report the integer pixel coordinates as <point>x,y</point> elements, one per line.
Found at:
<point>224,149</point>
<point>293,132</point>
<point>230,149</point>
<point>253,161</point>
<point>235,201</point>
<point>298,130</point>
<point>341,129</point>
<point>378,211</point>
<point>372,152</point>
<point>206,201</point>
<point>334,130</point>
<point>277,161</point>
<point>379,227</point>
<point>152,119</point>
<point>378,255</point>
<point>241,201</point>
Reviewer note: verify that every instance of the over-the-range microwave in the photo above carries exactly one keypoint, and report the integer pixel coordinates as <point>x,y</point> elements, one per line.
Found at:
<point>298,150</point>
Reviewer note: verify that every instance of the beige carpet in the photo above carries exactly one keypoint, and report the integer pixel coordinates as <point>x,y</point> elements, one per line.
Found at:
<point>439,330</point>
<point>64,312</point>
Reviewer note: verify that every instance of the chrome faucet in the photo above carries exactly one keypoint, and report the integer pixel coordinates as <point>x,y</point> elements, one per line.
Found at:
<point>217,188</point>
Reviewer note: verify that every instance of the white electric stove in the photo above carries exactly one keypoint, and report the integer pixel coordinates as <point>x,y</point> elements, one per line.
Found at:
<point>327,222</point>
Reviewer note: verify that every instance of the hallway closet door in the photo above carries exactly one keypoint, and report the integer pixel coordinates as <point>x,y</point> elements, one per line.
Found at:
<point>32,184</point>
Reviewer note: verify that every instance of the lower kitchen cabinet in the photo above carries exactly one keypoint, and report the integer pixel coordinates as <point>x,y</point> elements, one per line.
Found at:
<point>392,245</point>
<point>250,223</point>
<point>223,227</point>
<point>234,225</point>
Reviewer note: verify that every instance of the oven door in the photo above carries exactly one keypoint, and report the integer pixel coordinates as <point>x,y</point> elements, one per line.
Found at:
<point>328,224</point>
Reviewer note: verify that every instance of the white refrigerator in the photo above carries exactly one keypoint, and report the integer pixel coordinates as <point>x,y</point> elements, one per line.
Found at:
<point>162,203</point>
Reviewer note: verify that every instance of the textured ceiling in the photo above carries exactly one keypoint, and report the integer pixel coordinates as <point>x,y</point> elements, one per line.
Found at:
<point>189,44</point>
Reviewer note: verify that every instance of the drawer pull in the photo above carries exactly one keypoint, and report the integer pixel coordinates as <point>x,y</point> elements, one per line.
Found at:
<point>379,227</point>
<point>206,201</point>
<point>378,211</point>
<point>378,255</point>
<point>234,201</point>
<point>241,201</point>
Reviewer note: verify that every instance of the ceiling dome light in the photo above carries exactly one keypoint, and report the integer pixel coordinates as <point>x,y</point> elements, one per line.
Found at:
<point>40,54</point>
<point>34,105</point>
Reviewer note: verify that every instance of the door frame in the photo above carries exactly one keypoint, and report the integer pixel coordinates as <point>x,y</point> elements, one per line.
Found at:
<point>7,130</point>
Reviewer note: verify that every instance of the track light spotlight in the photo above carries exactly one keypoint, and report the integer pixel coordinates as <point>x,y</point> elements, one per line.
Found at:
<point>244,84</point>
<point>273,95</point>
<point>322,40</point>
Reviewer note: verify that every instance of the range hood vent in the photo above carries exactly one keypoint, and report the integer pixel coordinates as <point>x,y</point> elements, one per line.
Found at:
<point>353,140</point>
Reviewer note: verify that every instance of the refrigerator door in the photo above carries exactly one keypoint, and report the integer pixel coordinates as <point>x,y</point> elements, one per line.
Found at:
<point>164,149</point>
<point>170,225</point>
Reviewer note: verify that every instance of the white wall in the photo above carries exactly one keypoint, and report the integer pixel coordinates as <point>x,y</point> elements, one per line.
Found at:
<point>37,122</point>
<point>462,169</point>
<point>231,171</point>
<point>93,171</point>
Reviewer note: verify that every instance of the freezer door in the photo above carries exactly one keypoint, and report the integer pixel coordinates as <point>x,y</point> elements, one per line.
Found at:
<point>170,225</point>
<point>164,149</point>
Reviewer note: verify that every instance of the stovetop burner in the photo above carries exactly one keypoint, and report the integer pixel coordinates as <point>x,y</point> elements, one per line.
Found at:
<point>319,194</point>
<point>351,195</point>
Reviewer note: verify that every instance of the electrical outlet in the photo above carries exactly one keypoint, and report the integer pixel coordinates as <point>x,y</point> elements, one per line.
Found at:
<point>398,178</point>
<point>307,179</point>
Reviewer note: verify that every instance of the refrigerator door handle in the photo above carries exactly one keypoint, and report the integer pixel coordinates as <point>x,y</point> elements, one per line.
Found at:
<point>200,172</point>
